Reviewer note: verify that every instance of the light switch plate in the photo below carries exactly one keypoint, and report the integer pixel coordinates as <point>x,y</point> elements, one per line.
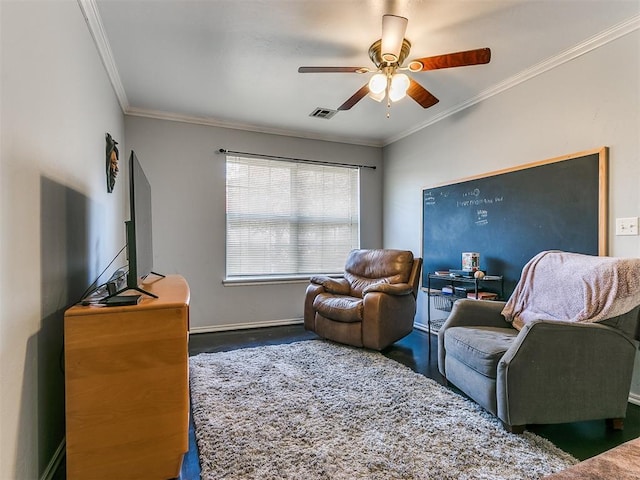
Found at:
<point>627,226</point>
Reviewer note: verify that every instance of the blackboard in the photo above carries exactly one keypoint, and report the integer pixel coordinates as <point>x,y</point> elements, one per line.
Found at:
<point>510,215</point>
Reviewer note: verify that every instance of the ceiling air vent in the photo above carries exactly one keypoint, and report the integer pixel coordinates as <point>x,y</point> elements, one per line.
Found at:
<point>325,113</point>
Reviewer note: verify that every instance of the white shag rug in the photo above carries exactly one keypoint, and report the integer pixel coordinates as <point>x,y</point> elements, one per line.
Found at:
<point>318,410</point>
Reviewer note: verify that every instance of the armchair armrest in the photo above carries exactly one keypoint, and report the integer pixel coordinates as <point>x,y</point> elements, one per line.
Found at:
<point>553,341</point>
<point>561,364</point>
<point>468,313</point>
<point>389,288</point>
<point>339,286</point>
<point>386,318</point>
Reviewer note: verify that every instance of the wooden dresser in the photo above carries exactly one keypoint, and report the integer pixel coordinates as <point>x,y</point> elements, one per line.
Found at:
<point>127,386</point>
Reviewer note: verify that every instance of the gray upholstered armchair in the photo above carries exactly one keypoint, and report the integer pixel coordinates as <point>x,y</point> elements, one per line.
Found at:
<point>549,370</point>
<point>373,305</point>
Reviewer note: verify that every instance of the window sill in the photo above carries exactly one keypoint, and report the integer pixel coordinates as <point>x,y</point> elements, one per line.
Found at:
<point>272,279</point>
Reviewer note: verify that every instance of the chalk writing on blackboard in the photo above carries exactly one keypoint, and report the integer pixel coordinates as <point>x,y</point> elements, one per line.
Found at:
<point>482,217</point>
<point>429,199</point>
<point>479,201</point>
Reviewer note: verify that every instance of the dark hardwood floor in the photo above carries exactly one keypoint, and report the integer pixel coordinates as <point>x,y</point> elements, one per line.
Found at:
<point>581,439</point>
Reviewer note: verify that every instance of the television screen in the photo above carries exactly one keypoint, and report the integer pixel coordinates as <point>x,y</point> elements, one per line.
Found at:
<point>139,235</point>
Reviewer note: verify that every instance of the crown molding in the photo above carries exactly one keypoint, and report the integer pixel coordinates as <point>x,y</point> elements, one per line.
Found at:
<point>597,41</point>
<point>212,122</point>
<point>91,15</point>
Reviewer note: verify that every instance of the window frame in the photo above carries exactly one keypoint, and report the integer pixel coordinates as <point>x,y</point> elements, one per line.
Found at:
<point>294,277</point>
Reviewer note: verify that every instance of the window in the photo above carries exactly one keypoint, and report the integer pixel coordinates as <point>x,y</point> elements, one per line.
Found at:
<point>289,218</point>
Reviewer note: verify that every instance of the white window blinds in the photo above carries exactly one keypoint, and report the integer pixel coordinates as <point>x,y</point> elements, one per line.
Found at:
<point>289,218</point>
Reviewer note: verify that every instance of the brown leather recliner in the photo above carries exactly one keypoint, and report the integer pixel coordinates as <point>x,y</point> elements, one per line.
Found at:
<point>372,306</point>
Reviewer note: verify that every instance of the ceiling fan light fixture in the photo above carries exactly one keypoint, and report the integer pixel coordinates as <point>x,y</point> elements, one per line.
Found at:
<point>393,30</point>
<point>399,86</point>
<point>378,97</point>
<point>378,84</point>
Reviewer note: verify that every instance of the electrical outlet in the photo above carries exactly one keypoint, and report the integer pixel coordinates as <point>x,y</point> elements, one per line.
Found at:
<point>627,226</point>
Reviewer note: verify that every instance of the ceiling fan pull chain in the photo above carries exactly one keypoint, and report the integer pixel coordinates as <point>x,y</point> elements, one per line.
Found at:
<point>387,93</point>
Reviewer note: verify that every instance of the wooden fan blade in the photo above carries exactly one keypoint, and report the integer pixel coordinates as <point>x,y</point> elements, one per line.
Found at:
<point>458,59</point>
<point>332,69</point>
<point>421,95</point>
<point>355,98</point>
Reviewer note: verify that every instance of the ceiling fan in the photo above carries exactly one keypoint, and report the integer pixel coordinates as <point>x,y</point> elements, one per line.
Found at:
<point>388,55</point>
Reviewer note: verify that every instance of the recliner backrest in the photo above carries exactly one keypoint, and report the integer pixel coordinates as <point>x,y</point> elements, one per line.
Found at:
<point>367,267</point>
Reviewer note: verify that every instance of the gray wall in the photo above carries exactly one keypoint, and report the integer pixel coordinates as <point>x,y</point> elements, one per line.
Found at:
<point>187,178</point>
<point>586,103</point>
<point>59,225</point>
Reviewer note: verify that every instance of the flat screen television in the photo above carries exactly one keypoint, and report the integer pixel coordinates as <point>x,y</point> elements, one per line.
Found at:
<point>139,237</point>
<point>138,229</point>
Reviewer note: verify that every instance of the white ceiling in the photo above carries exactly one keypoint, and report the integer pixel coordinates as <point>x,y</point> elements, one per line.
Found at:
<point>234,62</point>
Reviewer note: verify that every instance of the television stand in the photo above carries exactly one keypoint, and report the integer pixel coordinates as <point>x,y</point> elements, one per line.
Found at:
<point>127,289</point>
<point>136,288</point>
<point>127,386</point>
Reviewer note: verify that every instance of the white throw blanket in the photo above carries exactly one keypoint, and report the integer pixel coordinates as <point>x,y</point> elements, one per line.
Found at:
<point>575,288</point>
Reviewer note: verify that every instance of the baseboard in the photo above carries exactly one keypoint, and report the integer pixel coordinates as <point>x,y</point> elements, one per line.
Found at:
<point>421,326</point>
<point>55,461</point>
<point>634,398</point>
<point>244,326</point>
<point>269,323</point>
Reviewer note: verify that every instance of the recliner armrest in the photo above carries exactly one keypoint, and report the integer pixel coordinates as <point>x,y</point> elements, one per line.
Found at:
<point>563,364</point>
<point>541,334</point>
<point>389,288</point>
<point>469,313</point>
<point>339,286</point>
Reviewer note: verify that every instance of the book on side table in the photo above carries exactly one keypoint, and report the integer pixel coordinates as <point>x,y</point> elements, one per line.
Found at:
<point>483,296</point>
